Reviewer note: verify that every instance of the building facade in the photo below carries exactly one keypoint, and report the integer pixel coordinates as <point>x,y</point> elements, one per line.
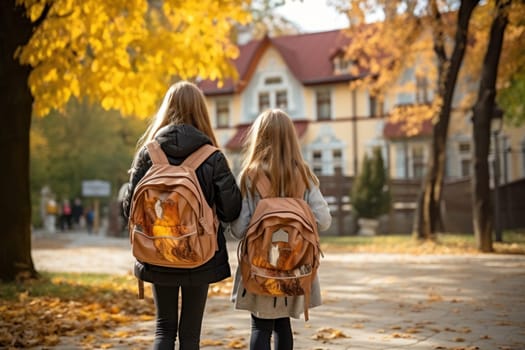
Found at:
<point>308,76</point>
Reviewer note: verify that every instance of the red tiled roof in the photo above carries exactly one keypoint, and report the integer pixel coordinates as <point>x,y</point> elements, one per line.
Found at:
<point>308,56</point>
<point>396,130</point>
<point>247,53</point>
<point>237,140</point>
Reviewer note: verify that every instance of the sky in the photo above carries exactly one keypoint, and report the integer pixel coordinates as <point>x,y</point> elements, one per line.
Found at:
<point>313,15</point>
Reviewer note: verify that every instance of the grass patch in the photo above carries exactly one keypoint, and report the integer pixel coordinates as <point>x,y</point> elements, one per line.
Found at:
<point>514,243</point>
<point>66,286</point>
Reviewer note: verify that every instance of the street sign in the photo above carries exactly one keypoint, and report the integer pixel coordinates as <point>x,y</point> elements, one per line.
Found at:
<point>96,188</point>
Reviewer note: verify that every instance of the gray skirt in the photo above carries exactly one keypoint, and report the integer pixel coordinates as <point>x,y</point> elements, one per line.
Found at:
<point>268,307</point>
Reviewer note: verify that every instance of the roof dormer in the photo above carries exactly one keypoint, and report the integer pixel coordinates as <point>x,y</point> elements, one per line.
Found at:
<point>341,64</point>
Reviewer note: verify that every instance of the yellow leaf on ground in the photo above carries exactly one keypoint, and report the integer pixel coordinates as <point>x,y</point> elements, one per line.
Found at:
<point>328,333</point>
<point>210,342</point>
<point>237,343</point>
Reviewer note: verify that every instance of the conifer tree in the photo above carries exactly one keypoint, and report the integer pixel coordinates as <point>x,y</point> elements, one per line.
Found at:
<point>370,196</point>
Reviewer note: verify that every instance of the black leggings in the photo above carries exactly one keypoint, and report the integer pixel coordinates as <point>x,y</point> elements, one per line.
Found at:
<point>262,332</point>
<point>191,314</point>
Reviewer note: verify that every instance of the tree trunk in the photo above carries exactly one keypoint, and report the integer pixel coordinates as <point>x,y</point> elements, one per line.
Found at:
<point>15,103</point>
<point>483,111</point>
<point>428,213</point>
<point>428,221</point>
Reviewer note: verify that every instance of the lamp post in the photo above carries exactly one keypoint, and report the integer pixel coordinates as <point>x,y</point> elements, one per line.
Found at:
<point>496,126</point>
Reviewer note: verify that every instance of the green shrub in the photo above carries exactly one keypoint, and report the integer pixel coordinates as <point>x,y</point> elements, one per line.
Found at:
<point>370,195</point>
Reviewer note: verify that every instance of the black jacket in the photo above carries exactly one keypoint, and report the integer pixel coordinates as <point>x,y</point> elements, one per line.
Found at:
<point>220,189</point>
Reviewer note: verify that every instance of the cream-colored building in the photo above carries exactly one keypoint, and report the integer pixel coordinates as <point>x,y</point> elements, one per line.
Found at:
<point>307,75</point>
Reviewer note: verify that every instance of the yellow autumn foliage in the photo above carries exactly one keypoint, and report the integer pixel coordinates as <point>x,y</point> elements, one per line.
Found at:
<point>125,53</point>
<point>402,46</point>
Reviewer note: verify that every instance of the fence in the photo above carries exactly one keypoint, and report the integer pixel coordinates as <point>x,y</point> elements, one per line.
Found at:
<point>457,205</point>
<point>512,205</point>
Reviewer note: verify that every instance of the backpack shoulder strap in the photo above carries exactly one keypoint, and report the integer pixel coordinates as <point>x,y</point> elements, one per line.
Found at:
<point>199,156</point>
<point>156,153</point>
<point>263,185</point>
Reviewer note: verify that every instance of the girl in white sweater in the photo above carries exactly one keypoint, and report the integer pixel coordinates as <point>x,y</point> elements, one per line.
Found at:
<point>272,146</point>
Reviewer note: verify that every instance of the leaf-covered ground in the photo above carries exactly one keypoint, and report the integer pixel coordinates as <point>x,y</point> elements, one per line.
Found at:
<point>513,243</point>
<point>97,311</point>
<point>40,312</point>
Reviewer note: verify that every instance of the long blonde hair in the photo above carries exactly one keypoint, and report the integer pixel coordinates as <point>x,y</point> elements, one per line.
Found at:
<point>273,147</point>
<point>184,103</point>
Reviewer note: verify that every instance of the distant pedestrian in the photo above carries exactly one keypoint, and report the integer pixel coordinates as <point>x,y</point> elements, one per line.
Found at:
<point>77,211</point>
<point>51,214</point>
<point>273,149</point>
<point>66,215</point>
<point>90,219</point>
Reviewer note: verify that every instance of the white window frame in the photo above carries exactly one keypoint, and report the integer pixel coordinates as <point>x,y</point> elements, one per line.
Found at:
<point>411,164</point>
<point>326,144</point>
<point>331,113</point>
<point>216,114</point>
<point>464,156</point>
<point>266,93</point>
<point>273,89</point>
<point>376,106</point>
<point>342,65</point>
<point>422,89</point>
<point>327,162</point>
<point>286,99</point>
<point>317,162</point>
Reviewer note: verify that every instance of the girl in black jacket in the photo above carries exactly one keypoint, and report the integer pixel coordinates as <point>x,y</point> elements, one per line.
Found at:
<point>181,126</point>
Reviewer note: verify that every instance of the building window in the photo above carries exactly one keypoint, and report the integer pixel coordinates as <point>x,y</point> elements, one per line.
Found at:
<point>281,99</point>
<point>465,159</point>
<point>272,91</point>
<point>317,162</point>
<point>324,104</point>
<point>273,80</point>
<point>222,113</point>
<point>342,65</point>
<point>422,89</point>
<point>327,161</point>
<point>326,153</point>
<point>418,161</point>
<point>337,160</point>
<point>464,148</point>
<point>372,101</point>
<point>264,101</point>
<point>465,167</point>
<point>376,106</point>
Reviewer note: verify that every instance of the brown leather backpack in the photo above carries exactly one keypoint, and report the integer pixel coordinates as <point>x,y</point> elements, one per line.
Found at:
<point>170,222</point>
<point>279,255</point>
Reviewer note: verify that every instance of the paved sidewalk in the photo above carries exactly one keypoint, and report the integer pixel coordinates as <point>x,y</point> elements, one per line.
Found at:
<point>371,301</point>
